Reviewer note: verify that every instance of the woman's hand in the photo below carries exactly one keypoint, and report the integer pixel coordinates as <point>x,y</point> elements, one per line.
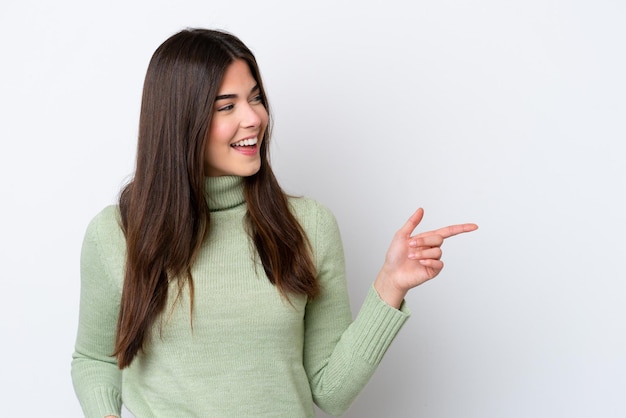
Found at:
<point>412,260</point>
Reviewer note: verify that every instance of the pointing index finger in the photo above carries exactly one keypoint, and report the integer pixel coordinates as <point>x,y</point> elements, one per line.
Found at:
<point>452,230</point>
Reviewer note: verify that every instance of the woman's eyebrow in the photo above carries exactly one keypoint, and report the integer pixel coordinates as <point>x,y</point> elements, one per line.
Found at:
<point>234,96</point>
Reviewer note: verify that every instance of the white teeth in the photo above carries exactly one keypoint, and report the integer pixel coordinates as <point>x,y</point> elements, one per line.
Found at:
<point>246,142</point>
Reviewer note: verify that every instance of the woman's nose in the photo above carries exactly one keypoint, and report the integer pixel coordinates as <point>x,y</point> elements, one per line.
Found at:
<point>251,117</point>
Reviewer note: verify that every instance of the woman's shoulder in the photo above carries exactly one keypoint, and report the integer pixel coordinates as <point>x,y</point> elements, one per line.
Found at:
<point>307,208</point>
<point>104,251</point>
<point>316,218</point>
<point>108,216</point>
<point>106,225</point>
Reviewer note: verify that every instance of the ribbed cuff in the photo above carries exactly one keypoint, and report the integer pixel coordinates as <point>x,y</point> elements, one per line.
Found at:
<point>376,325</point>
<point>105,401</point>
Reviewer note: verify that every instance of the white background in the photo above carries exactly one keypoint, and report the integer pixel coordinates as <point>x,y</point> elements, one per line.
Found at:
<point>510,114</point>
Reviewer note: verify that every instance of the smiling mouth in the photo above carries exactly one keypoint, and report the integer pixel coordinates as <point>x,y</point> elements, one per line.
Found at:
<point>247,147</point>
<point>251,142</point>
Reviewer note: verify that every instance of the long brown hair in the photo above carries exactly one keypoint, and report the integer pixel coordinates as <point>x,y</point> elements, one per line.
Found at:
<point>164,212</point>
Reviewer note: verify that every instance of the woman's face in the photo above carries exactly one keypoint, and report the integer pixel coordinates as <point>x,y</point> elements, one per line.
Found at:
<point>237,126</point>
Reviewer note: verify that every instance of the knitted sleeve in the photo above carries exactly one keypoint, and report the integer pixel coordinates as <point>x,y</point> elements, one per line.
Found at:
<point>340,355</point>
<point>96,377</point>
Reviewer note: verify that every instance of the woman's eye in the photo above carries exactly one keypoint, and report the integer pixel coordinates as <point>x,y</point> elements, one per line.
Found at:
<point>224,108</point>
<point>258,98</point>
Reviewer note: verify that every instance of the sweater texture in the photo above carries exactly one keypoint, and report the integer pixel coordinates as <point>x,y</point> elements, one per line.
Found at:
<point>250,352</point>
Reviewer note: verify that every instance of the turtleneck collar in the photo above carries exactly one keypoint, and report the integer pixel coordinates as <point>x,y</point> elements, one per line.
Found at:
<point>224,192</point>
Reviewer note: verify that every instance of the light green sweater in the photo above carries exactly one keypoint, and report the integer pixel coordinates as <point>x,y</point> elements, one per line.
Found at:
<point>250,352</point>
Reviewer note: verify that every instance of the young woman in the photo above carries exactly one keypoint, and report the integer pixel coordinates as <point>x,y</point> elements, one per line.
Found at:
<point>207,292</point>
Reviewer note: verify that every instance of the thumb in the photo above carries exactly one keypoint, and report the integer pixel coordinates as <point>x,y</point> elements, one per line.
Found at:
<point>410,225</point>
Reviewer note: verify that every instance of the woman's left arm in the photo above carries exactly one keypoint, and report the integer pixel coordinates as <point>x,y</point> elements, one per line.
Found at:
<point>340,355</point>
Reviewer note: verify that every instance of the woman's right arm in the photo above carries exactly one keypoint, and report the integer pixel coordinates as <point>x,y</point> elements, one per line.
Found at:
<point>96,377</point>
